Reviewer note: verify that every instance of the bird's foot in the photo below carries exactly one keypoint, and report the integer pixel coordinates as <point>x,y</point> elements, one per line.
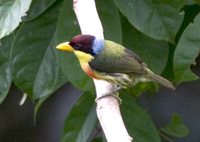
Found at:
<point>113,94</point>
<point>117,88</point>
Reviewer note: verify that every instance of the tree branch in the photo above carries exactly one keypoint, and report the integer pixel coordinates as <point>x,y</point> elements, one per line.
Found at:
<point>107,107</point>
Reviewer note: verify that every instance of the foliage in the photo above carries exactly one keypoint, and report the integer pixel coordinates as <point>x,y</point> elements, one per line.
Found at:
<point>11,13</point>
<point>85,118</point>
<point>164,33</point>
<point>138,122</point>
<point>175,127</point>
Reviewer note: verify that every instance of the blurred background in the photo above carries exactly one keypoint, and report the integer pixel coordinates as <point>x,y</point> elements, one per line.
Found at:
<point>165,34</point>
<point>17,123</point>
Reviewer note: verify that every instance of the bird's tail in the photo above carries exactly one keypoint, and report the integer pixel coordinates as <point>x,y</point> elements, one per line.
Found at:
<point>159,79</point>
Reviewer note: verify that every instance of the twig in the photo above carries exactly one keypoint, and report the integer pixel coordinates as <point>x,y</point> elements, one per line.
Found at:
<point>165,137</point>
<point>108,111</point>
<point>23,99</point>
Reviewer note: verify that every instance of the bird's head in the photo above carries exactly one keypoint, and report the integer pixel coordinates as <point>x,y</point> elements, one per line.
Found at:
<point>85,47</point>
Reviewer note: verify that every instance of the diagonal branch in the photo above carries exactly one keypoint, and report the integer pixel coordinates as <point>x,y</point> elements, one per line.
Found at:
<point>107,108</point>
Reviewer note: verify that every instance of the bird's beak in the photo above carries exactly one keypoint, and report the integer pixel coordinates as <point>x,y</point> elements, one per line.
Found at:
<point>65,46</point>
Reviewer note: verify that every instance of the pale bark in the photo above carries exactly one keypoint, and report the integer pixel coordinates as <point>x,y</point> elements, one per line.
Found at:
<point>108,110</point>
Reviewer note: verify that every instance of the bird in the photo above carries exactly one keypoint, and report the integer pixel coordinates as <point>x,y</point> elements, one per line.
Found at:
<point>110,61</point>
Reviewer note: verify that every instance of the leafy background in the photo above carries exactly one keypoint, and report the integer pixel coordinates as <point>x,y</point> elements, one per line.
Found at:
<point>165,34</point>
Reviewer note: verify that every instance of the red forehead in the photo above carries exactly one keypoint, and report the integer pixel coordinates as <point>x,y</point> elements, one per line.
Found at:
<point>83,39</point>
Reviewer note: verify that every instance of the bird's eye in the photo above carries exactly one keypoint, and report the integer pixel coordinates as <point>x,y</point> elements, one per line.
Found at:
<point>77,46</point>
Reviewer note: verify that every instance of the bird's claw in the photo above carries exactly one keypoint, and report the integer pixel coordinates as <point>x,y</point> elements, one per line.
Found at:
<point>113,94</point>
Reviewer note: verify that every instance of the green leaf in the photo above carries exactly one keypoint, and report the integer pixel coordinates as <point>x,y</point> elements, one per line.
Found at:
<point>5,66</point>
<point>137,121</point>
<point>190,2</point>
<point>176,127</point>
<point>186,51</point>
<point>37,8</point>
<point>197,1</point>
<point>11,13</point>
<point>49,76</point>
<point>154,53</point>
<point>159,19</point>
<point>112,26</point>
<point>81,120</point>
<point>29,48</point>
<point>37,107</point>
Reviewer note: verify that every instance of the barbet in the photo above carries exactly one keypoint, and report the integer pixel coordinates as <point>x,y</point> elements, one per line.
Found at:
<point>110,61</point>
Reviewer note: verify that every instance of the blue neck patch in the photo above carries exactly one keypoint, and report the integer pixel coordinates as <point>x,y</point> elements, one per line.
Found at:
<point>98,45</point>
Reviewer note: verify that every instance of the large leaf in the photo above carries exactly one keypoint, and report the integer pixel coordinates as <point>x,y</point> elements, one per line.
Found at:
<point>176,127</point>
<point>30,46</point>
<point>153,52</point>
<point>137,121</point>
<point>5,66</point>
<point>81,120</point>
<point>37,8</point>
<point>159,19</point>
<point>11,13</point>
<point>49,76</point>
<point>190,2</point>
<point>112,26</point>
<point>186,51</point>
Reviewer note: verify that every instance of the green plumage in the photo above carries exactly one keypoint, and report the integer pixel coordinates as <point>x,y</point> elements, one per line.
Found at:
<point>110,61</point>
<point>123,67</point>
<point>115,58</point>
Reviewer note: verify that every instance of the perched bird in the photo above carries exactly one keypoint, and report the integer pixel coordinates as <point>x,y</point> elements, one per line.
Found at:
<point>110,61</point>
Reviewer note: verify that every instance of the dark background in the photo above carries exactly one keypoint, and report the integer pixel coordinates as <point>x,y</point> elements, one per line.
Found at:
<point>17,124</point>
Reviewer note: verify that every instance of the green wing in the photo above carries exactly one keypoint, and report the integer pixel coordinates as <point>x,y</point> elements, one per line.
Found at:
<point>114,58</point>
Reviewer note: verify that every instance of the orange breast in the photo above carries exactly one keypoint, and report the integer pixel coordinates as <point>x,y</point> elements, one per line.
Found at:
<point>86,68</point>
